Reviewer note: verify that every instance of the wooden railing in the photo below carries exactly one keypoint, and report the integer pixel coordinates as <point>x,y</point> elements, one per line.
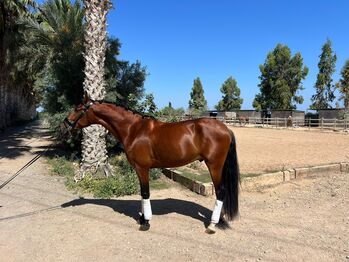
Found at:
<point>321,123</point>
<point>277,122</point>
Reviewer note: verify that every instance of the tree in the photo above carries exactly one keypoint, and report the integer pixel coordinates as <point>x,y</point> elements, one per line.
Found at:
<point>17,101</point>
<point>281,79</point>
<point>324,88</point>
<point>197,100</point>
<point>130,81</point>
<point>149,105</point>
<point>343,85</point>
<point>231,96</point>
<point>94,149</point>
<point>171,114</point>
<point>125,80</point>
<point>53,45</point>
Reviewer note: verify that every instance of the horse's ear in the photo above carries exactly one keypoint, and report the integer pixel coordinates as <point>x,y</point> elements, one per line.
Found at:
<point>86,98</point>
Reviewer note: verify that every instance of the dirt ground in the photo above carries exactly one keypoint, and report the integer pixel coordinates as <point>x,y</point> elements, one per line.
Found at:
<point>263,149</point>
<point>304,220</point>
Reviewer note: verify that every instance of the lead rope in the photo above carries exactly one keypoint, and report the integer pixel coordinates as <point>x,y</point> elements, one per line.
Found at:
<point>32,161</point>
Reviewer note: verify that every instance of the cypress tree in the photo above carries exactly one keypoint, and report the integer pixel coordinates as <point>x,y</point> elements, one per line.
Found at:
<point>197,100</point>
<point>324,88</point>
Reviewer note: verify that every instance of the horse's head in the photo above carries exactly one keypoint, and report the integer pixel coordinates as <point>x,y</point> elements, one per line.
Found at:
<point>80,118</point>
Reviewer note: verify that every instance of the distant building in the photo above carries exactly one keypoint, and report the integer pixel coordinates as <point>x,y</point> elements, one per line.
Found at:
<point>220,114</point>
<point>233,113</point>
<point>295,114</point>
<point>333,113</point>
<point>297,117</point>
<point>248,113</point>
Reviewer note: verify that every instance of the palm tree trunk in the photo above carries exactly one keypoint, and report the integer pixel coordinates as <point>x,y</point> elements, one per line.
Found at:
<point>94,152</point>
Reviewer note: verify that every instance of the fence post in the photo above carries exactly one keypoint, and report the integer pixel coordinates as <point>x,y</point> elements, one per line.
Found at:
<point>322,122</point>
<point>335,123</point>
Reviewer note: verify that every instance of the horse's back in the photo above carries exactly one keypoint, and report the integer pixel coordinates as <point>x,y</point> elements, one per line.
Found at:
<point>198,134</point>
<point>197,127</point>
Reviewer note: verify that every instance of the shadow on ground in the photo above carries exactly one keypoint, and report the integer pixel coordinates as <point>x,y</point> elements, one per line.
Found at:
<point>131,208</point>
<point>16,141</point>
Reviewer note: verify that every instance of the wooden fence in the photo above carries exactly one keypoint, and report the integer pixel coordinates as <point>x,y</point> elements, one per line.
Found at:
<point>322,123</point>
<point>277,122</point>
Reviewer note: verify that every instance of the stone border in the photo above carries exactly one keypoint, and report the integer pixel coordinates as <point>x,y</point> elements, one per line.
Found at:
<point>204,189</point>
<point>259,181</point>
<point>273,179</point>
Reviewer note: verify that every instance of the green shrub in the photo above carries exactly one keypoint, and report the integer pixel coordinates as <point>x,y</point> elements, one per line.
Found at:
<point>124,181</point>
<point>155,174</point>
<point>195,165</point>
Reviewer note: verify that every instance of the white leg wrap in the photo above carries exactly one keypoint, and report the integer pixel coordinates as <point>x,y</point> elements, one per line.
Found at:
<point>146,209</point>
<point>216,212</point>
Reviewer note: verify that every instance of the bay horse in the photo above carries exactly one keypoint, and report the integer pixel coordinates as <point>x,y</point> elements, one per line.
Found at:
<point>243,120</point>
<point>149,143</point>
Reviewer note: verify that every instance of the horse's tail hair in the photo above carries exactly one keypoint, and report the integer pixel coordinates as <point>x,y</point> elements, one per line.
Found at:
<point>230,182</point>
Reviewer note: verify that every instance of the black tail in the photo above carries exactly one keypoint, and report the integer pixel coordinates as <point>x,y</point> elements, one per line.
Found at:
<point>230,182</point>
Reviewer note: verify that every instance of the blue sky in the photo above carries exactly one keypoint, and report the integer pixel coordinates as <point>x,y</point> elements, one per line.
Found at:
<point>179,40</point>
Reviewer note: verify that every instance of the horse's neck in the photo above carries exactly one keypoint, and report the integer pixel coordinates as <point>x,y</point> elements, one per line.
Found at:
<point>117,120</point>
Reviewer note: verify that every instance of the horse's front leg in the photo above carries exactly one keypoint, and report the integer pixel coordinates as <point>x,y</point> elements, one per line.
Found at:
<point>146,212</point>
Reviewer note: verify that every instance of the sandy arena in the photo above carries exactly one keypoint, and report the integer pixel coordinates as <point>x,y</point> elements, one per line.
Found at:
<point>264,149</point>
<point>302,220</point>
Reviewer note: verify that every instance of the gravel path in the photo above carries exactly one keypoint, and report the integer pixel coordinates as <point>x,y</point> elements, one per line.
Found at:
<point>306,220</point>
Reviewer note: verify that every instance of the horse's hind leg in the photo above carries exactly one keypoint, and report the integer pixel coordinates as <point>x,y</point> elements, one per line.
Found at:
<point>216,175</point>
<point>146,212</point>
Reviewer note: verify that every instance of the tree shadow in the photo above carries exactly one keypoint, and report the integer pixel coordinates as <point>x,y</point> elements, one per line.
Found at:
<point>131,208</point>
<point>16,141</point>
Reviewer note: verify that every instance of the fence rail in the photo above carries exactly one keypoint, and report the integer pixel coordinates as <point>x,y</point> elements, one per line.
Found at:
<point>278,122</point>
<point>321,123</point>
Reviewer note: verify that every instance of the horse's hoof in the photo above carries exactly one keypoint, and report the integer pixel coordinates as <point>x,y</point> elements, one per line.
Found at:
<point>144,227</point>
<point>211,229</point>
<point>144,224</point>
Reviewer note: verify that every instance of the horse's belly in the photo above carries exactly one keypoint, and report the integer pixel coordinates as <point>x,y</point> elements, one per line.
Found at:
<point>174,157</point>
<point>175,163</point>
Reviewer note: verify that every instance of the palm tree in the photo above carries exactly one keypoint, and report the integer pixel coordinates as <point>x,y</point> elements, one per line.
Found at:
<point>57,26</point>
<point>53,42</point>
<point>94,152</point>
